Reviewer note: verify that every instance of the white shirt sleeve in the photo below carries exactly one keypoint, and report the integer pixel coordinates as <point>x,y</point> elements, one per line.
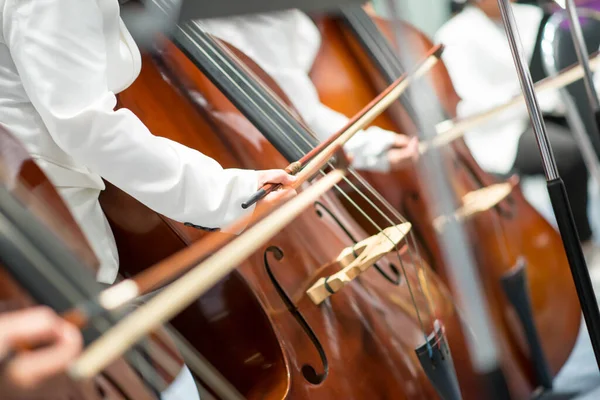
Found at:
<point>59,50</point>
<point>479,87</point>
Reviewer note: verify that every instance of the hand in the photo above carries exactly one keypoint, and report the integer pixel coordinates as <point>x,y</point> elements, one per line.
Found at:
<point>403,152</point>
<point>33,374</point>
<point>368,7</point>
<point>276,176</point>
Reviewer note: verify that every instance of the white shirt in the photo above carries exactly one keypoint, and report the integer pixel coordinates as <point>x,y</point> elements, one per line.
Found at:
<point>481,66</point>
<point>285,45</point>
<point>61,63</point>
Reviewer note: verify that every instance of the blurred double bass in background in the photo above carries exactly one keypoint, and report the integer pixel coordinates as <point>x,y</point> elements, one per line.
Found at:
<point>519,254</point>
<point>47,260</point>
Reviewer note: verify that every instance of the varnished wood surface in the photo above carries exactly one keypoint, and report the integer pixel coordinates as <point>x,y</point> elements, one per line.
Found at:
<point>498,237</point>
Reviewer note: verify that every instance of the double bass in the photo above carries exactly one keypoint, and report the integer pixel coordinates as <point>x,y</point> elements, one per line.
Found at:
<point>258,327</point>
<point>519,255</point>
<point>47,260</point>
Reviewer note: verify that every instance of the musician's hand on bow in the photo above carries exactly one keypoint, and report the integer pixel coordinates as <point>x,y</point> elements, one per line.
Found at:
<point>276,176</point>
<point>403,152</point>
<point>33,374</point>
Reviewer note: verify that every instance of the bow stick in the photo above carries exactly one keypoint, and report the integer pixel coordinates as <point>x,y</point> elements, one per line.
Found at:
<point>453,129</point>
<point>193,284</point>
<point>364,117</point>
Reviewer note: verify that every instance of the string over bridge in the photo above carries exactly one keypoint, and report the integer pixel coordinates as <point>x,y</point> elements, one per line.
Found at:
<point>356,259</point>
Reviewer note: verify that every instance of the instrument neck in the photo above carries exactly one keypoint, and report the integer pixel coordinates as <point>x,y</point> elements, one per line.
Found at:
<point>289,136</point>
<point>378,49</point>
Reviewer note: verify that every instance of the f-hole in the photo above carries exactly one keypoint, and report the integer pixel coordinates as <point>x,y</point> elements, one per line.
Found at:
<point>394,279</point>
<point>308,371</point>
<point>100,390</point>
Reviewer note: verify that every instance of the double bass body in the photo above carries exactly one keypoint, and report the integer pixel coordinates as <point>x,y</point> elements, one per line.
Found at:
<point>508,240</point>
<point>258,327</point>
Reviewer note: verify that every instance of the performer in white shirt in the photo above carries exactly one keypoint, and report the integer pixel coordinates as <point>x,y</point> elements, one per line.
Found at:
<point>285,44</point>
<point>482,69</point>
<point>61,63</point>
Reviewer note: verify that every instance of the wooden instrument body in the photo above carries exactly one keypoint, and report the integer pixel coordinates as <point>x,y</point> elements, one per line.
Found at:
<point>24,179</point>
<point>346,79</point>
<point>368,331</point>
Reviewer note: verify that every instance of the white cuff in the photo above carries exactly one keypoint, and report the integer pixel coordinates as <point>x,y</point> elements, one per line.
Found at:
<point>244,184</point>
<point>369,149</point>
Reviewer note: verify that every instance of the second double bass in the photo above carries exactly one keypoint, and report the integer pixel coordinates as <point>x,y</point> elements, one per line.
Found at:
<point>520,255</point>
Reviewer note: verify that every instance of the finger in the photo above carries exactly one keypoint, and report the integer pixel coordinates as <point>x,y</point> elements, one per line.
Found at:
<point>27,327</point>
<point>401,140</point>
<point>400,154</point>
<point>276,176</point>
<point>400,157</point>
<point>282,194</point>
<point>34,367</point>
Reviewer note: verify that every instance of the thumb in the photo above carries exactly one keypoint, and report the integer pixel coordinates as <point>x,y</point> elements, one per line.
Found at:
<point>401,140</point>
<point>34,367</point>
<point>276,176</point>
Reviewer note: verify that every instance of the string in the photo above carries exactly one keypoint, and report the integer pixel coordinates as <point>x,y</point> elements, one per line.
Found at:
<point>307,142</point>
<point>381,51</point>
<point>394,62</point>
<point>410,236</point>
<point>388,57</point>
<point>276,98</point>
<point>285,120</point>
<point>501,235</point>
<point>380,42</point>
<point>252,100</point>
<point>410,244</point>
